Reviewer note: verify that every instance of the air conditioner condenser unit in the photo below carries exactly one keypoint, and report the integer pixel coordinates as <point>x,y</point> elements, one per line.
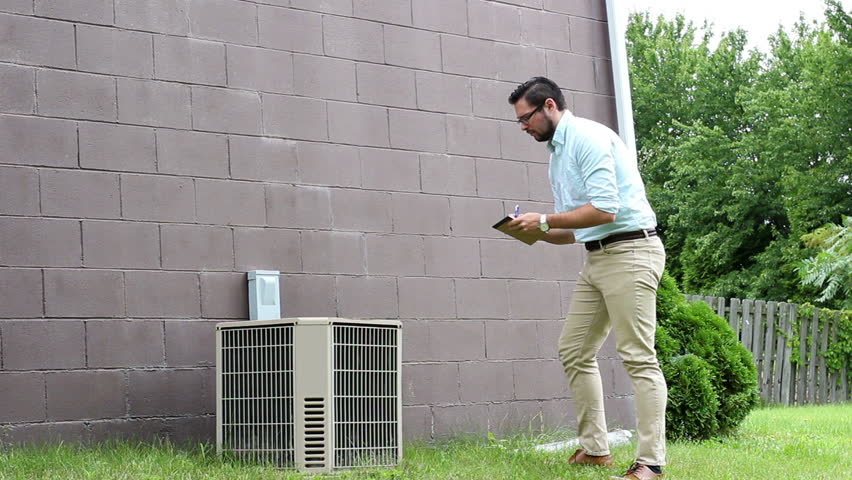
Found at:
<point>314,394</point>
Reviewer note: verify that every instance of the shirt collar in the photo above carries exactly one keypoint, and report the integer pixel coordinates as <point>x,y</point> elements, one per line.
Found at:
<point>558,139</point>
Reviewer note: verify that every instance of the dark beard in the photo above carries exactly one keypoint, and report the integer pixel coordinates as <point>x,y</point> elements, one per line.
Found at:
<point>548,134</point>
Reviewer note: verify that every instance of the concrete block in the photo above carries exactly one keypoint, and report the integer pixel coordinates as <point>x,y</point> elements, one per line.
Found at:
<point>360,210</point>
<point>590,37</point>
<point>391,170</point>
<point>505,258</point>
<point>518,63</point>
<point>534,299</point>
<point>426,298</point>
<point>339,7</point>
<point>162,16</point>
<point>308,296</point>
<point>197,247</point>
<point>482,298</point>
<point>324,77</point>
<point>576,72</point>
<point>457,340</point>
<point>515,418</point>
<point>451,257</point>
<point>415,342</point>
<point>304,32</point>
<point>121,245</point>
<point>494,21</point>
<point>162,295</point>
<point>55,145</point>
<point>383,85</point>
<point>443,93</point>
<point>259,69</point>
<point>367,297</point>
<point>486,381</point>
<point>472,136</point>
<point>294,117</point>
<point>76,95</point>
<point>191,430</point>
<point>421,214</point>
<point>384,11</point>
<point>408,47</point>
<point>603,77</point>
<point>620,412</point>
<point>540,188</point>
<point>502,179</point>
<point>356,124</point>
<point>228,202</point>
<point>192,153</point>
<point>294,206</point>
<point>517,145</point>
<point>557,262</point>
<point>540,380</point>
<point>534,4</point>
<point>608,349</point>
<point>262,158</point>
<point>327,164</point>
<point>491,99</point>
<point>21,293</point>
<point>158,104</point>
<point>84,293</point>
<point>39,433</point>
<point>19,191</point>
<point>128,430</point>
<point>333,252</point>
<point>22,396</point>
<point>18,93</point>
<point>36,41</point>
<point>549,332</point>
<point>226,20</point>
<point>469,56</point>
<point>83,395</point>
<point>622,385</point>
<point>221,110</point>
<point>598,108</point>
<point>158,198</point>
<point>448,174</point>
<point>545,29</point>
<point>113,51</point>
<point>416,423</point>
<point>190,343</point>
<point>165,392</point>
<point>351,38</point>
<point>559,414</point>
<point>120,343</point>
<point>430,384</point>
<point>421,131</point>
<point>398,255</point>
<point>17,6</point>
<point>567,289</point>
<point>448,16</point>
<point>189,60</point>
<point>40,242</point>
<point>460,420</point>
<point>467,216</point>
<point>79,194</point>
<point>595,9</point>
<point>117,147</point>
<point>267,249</point>
<point>511,340</point>
<point>224,295</point>
<point>43,344</point>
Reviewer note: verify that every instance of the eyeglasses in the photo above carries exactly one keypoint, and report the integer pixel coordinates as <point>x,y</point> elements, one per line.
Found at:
<point>526,118</point>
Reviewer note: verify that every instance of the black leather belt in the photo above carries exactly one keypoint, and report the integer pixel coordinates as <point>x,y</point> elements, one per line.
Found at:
<point>620,237</point>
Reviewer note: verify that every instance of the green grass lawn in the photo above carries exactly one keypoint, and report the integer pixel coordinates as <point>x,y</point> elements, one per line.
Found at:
<point>774,443</point>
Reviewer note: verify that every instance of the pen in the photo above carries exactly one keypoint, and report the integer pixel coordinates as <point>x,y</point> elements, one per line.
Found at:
<point>517,210</point>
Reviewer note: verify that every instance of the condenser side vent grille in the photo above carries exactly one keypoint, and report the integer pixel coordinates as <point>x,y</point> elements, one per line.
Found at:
<point>315,433</point>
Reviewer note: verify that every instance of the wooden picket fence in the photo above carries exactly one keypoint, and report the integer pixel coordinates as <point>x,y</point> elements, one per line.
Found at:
<point>786,376</point>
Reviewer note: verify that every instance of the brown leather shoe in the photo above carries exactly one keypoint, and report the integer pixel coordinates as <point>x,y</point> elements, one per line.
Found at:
<point>580,458</point>
<point>639,472</point>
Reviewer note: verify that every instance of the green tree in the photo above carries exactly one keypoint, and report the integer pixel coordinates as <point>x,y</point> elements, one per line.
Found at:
<point>831,268</point>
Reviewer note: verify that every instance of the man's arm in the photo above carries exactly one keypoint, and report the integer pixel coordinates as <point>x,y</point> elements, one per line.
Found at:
<point>582,217</point>
<point>559,236</point>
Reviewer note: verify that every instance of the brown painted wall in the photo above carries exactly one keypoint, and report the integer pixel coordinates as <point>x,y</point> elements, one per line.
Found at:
<point>153,151</point>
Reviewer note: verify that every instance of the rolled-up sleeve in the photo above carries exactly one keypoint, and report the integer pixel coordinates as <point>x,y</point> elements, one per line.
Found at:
<point>597,167</point>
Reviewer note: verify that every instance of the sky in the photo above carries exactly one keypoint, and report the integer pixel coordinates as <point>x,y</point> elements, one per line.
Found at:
<point>759,18</point>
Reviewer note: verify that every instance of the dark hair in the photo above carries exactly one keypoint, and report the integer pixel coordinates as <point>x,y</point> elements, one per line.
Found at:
<point>537,90</point>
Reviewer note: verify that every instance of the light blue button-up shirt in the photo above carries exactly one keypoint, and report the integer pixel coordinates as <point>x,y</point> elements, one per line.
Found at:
<point>589,163</point>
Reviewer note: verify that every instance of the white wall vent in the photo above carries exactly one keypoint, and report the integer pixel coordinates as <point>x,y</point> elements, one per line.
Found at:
<point>315,394</point>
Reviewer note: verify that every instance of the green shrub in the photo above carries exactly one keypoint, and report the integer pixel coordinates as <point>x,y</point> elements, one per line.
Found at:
<point>697,349</point>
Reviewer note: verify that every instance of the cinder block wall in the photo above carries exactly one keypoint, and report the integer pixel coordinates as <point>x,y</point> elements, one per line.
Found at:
<point>153,151</point>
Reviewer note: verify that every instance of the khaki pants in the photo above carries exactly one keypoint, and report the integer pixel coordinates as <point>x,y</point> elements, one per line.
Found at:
<point>617,289</point>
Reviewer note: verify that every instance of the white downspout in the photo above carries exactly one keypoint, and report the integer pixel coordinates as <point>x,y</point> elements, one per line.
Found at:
<point>616,17</point>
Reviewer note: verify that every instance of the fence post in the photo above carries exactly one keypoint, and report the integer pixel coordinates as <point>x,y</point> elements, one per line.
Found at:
<point>757,336</point>
<point>812,360</point>
<point>733,316</point>
<point>768,343</point>
<point>823,367</point>
<point>720,306</point>
<point>801,374</point>
<point>786,367</point>
<point>745,329</point>
<point>832,382</point>
<point>783,308</point>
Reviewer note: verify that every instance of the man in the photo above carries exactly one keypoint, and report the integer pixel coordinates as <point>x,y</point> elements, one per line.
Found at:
<point>600,201</point>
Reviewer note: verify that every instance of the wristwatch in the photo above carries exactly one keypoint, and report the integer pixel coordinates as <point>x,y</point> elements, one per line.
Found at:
<point>543,223</point>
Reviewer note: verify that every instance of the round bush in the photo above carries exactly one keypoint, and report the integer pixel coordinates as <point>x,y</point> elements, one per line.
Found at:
<point>692,341</point>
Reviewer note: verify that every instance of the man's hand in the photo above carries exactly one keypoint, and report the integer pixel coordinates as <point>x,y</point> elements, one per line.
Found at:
<point>528,222</point>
